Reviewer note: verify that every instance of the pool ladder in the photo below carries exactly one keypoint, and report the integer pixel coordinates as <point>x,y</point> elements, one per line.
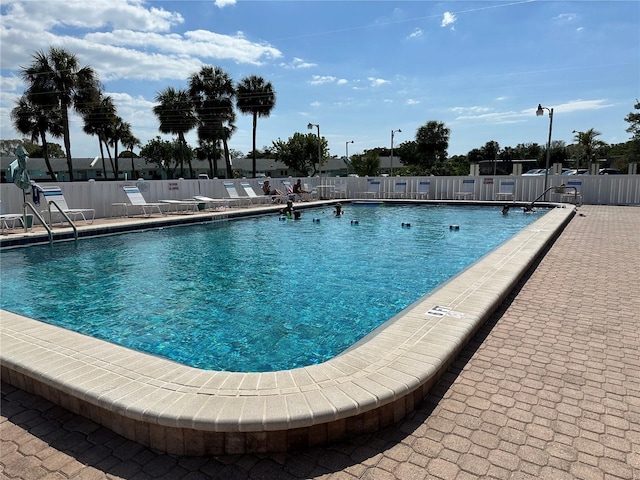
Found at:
<point>27,206</point>
<point>543,194</point>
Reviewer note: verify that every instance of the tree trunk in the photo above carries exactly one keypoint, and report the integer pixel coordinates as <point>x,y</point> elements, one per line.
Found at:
<point>67,141</point>
<point>45,154</point>
<point>255,127</point>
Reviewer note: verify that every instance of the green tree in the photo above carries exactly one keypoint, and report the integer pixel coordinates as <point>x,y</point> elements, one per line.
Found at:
<point>257,98</point>
<point>212,94</point>
<point>589,145</point>
<point>633,119</point>
<point>162,153</point>
<point>56,82</point>
<point>433,141</point>
<point>176,115</point>
<point>36,121</point>
<point>367,164</point>
<point>300,152</point>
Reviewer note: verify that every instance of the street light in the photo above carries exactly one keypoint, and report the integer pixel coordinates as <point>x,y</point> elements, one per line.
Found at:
<point>310,127</point>
<point>580,134</point>
<point>540,112</point>
<point>392,134</point>
<point>346,148</point>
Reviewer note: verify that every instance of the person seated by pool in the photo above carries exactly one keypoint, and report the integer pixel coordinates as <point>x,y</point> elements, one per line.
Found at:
<point>338,211</point>
<point>297,188</point>
<point>275,194</point>
<point>266,188</point>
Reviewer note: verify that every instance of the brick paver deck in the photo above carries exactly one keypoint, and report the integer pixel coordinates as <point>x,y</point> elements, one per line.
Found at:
<point>549,388</point>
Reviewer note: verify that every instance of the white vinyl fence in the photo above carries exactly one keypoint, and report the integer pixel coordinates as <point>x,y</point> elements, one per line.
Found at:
<point>596,189</point>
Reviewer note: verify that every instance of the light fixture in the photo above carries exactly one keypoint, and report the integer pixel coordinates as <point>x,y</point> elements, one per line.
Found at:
<point>540,112</point>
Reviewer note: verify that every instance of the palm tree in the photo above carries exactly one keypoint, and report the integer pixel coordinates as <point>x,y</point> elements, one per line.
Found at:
<point>129,141</point>
<point>257,98</point>
<point>34,120</point>
<point>119,130</point>
<point>212,93</point>
<point>97,121</point>
<point>589,144</point>
<point>56,81</point>
<point>176,116</point>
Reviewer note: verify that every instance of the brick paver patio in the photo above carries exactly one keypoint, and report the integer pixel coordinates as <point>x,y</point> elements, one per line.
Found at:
<point>549,388</point>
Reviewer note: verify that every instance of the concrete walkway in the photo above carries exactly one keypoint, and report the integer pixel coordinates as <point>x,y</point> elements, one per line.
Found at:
<point>549,388</point>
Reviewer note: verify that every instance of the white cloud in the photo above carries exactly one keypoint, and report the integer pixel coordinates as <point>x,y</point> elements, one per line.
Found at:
<point>298,63</point>
<point>448,18</point>
<point>321,79</point>
<point>417,33</point>
<point>564,18</point>
<point>376,82</point>
<point>224,3</point>
<point>412,101</point>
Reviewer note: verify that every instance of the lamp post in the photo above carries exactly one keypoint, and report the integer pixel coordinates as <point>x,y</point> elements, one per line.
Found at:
<point>393,132</point>
<point>580,134</point>
<point>346,148</point>
<point>310,127</point>
<point>540,112</point>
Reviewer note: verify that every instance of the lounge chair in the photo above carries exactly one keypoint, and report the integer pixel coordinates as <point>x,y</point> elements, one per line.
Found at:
<point>574,194</point>
<point>277,198</point>
<point>212,203</point>
<point>136,200</point>
<point>311,191</point>
<point>54,195</point>
<point>466,192</point>
<point>372,190</point>
<point>253,196</point>
<point>399,190</point>
<point>422,193</point>
<point>340,190</point>
<point>5,218</point>
<point>230,188</point>
<point>506,190</point>
<point>288,188</point>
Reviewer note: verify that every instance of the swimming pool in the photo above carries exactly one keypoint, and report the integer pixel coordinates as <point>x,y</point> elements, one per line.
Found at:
<point>252,295</point>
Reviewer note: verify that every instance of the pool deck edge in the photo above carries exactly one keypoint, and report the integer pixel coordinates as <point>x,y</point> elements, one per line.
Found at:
<point>184,410</point>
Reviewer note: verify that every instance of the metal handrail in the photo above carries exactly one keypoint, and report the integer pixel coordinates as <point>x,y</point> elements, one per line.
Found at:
<point>75,230</point>
<point>552,188</point>
<point>35,212</point>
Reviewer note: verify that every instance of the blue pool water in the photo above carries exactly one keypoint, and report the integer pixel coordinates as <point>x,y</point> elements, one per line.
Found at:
<point>258,294</point>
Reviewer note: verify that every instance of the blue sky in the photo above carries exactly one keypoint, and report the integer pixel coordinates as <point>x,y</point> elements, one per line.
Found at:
<point>359,69</point>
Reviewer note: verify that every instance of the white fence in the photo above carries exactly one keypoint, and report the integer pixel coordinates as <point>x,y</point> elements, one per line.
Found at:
<point>596,189</point>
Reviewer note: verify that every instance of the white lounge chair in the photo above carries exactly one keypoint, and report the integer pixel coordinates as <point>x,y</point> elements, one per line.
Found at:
<point>506,190</point>
<point>253,196</point>
<point>137,201</point>
<point>288,188</point>
<point>212,203</point>
<point>399,190</point>
<point>422,193</point>
<point>372,189</point>
<point>467,190</point>
<point>311,191</point>
<point>340,190</point>
<point>573,194</point>
<point>5,218</point>
<point>56,203</point>
<point>230,188</point>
